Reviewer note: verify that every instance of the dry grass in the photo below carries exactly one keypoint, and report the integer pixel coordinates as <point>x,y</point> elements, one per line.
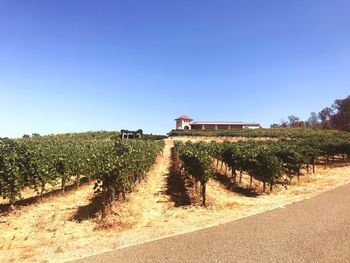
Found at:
<point>31,229</point>
<point>63,227</point>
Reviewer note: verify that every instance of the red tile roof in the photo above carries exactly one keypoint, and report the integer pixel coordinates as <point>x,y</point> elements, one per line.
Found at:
<point>184,117</point>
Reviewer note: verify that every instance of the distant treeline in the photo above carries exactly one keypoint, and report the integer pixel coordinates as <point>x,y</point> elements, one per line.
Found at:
<point>335,117</point>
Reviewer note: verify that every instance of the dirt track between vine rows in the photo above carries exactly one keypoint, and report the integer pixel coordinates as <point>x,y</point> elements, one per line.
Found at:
<point>313,230</point>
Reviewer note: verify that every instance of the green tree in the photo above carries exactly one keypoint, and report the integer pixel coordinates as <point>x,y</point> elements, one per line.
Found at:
<point>341,119</point>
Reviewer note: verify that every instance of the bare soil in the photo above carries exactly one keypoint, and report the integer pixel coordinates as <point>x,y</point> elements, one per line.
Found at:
<point>65,227</point>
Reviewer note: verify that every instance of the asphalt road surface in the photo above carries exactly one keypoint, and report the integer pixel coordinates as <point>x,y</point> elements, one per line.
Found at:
<point>313,230</point>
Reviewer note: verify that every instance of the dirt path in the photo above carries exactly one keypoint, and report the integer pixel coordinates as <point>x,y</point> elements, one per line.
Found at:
<point>150,201</point>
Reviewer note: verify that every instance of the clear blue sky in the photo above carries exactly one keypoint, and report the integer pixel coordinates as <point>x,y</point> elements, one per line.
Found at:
<point>70,66</point>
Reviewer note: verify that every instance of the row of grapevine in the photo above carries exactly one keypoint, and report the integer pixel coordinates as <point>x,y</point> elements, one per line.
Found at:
<point>196,163</point>
<point>120,167</point>
<point>50,160</point>
<point>10,176</point>
<point>271,160</point>
<point>38,162</point>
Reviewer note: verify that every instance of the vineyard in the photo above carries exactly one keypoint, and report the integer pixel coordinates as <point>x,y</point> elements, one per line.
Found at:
<point>149,188</point>
<point>118,165</point>
<point>269,162</point>
<point>55,160</point>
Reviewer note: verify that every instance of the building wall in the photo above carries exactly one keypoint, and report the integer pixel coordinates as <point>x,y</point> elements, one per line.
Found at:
<point>215,126</point>
<point>180,124</point>
<point>251,127</point>
<point>196,127</point>
<point>223,127</point>
<point>239,126</point>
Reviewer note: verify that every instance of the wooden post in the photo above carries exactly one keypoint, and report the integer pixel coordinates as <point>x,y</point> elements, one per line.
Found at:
<point>271,185</point>
<point>103,206</point>
<point>203,194</point>
<point>63,183</point>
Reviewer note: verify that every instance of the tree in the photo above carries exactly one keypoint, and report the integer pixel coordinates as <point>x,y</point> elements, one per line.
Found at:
<point>284,123</point>
<point>313,120</point>
<point>341,118</point>
<point>335,117</point>
<point>293,120</point>
<point>299,124</point>
<point>325,116</point>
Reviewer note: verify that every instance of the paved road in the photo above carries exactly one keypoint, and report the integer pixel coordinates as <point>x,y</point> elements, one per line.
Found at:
<point>313,230</point>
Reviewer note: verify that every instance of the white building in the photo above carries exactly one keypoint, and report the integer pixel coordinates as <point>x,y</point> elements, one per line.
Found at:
<point>186,123</point>
<point>183,123</point>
